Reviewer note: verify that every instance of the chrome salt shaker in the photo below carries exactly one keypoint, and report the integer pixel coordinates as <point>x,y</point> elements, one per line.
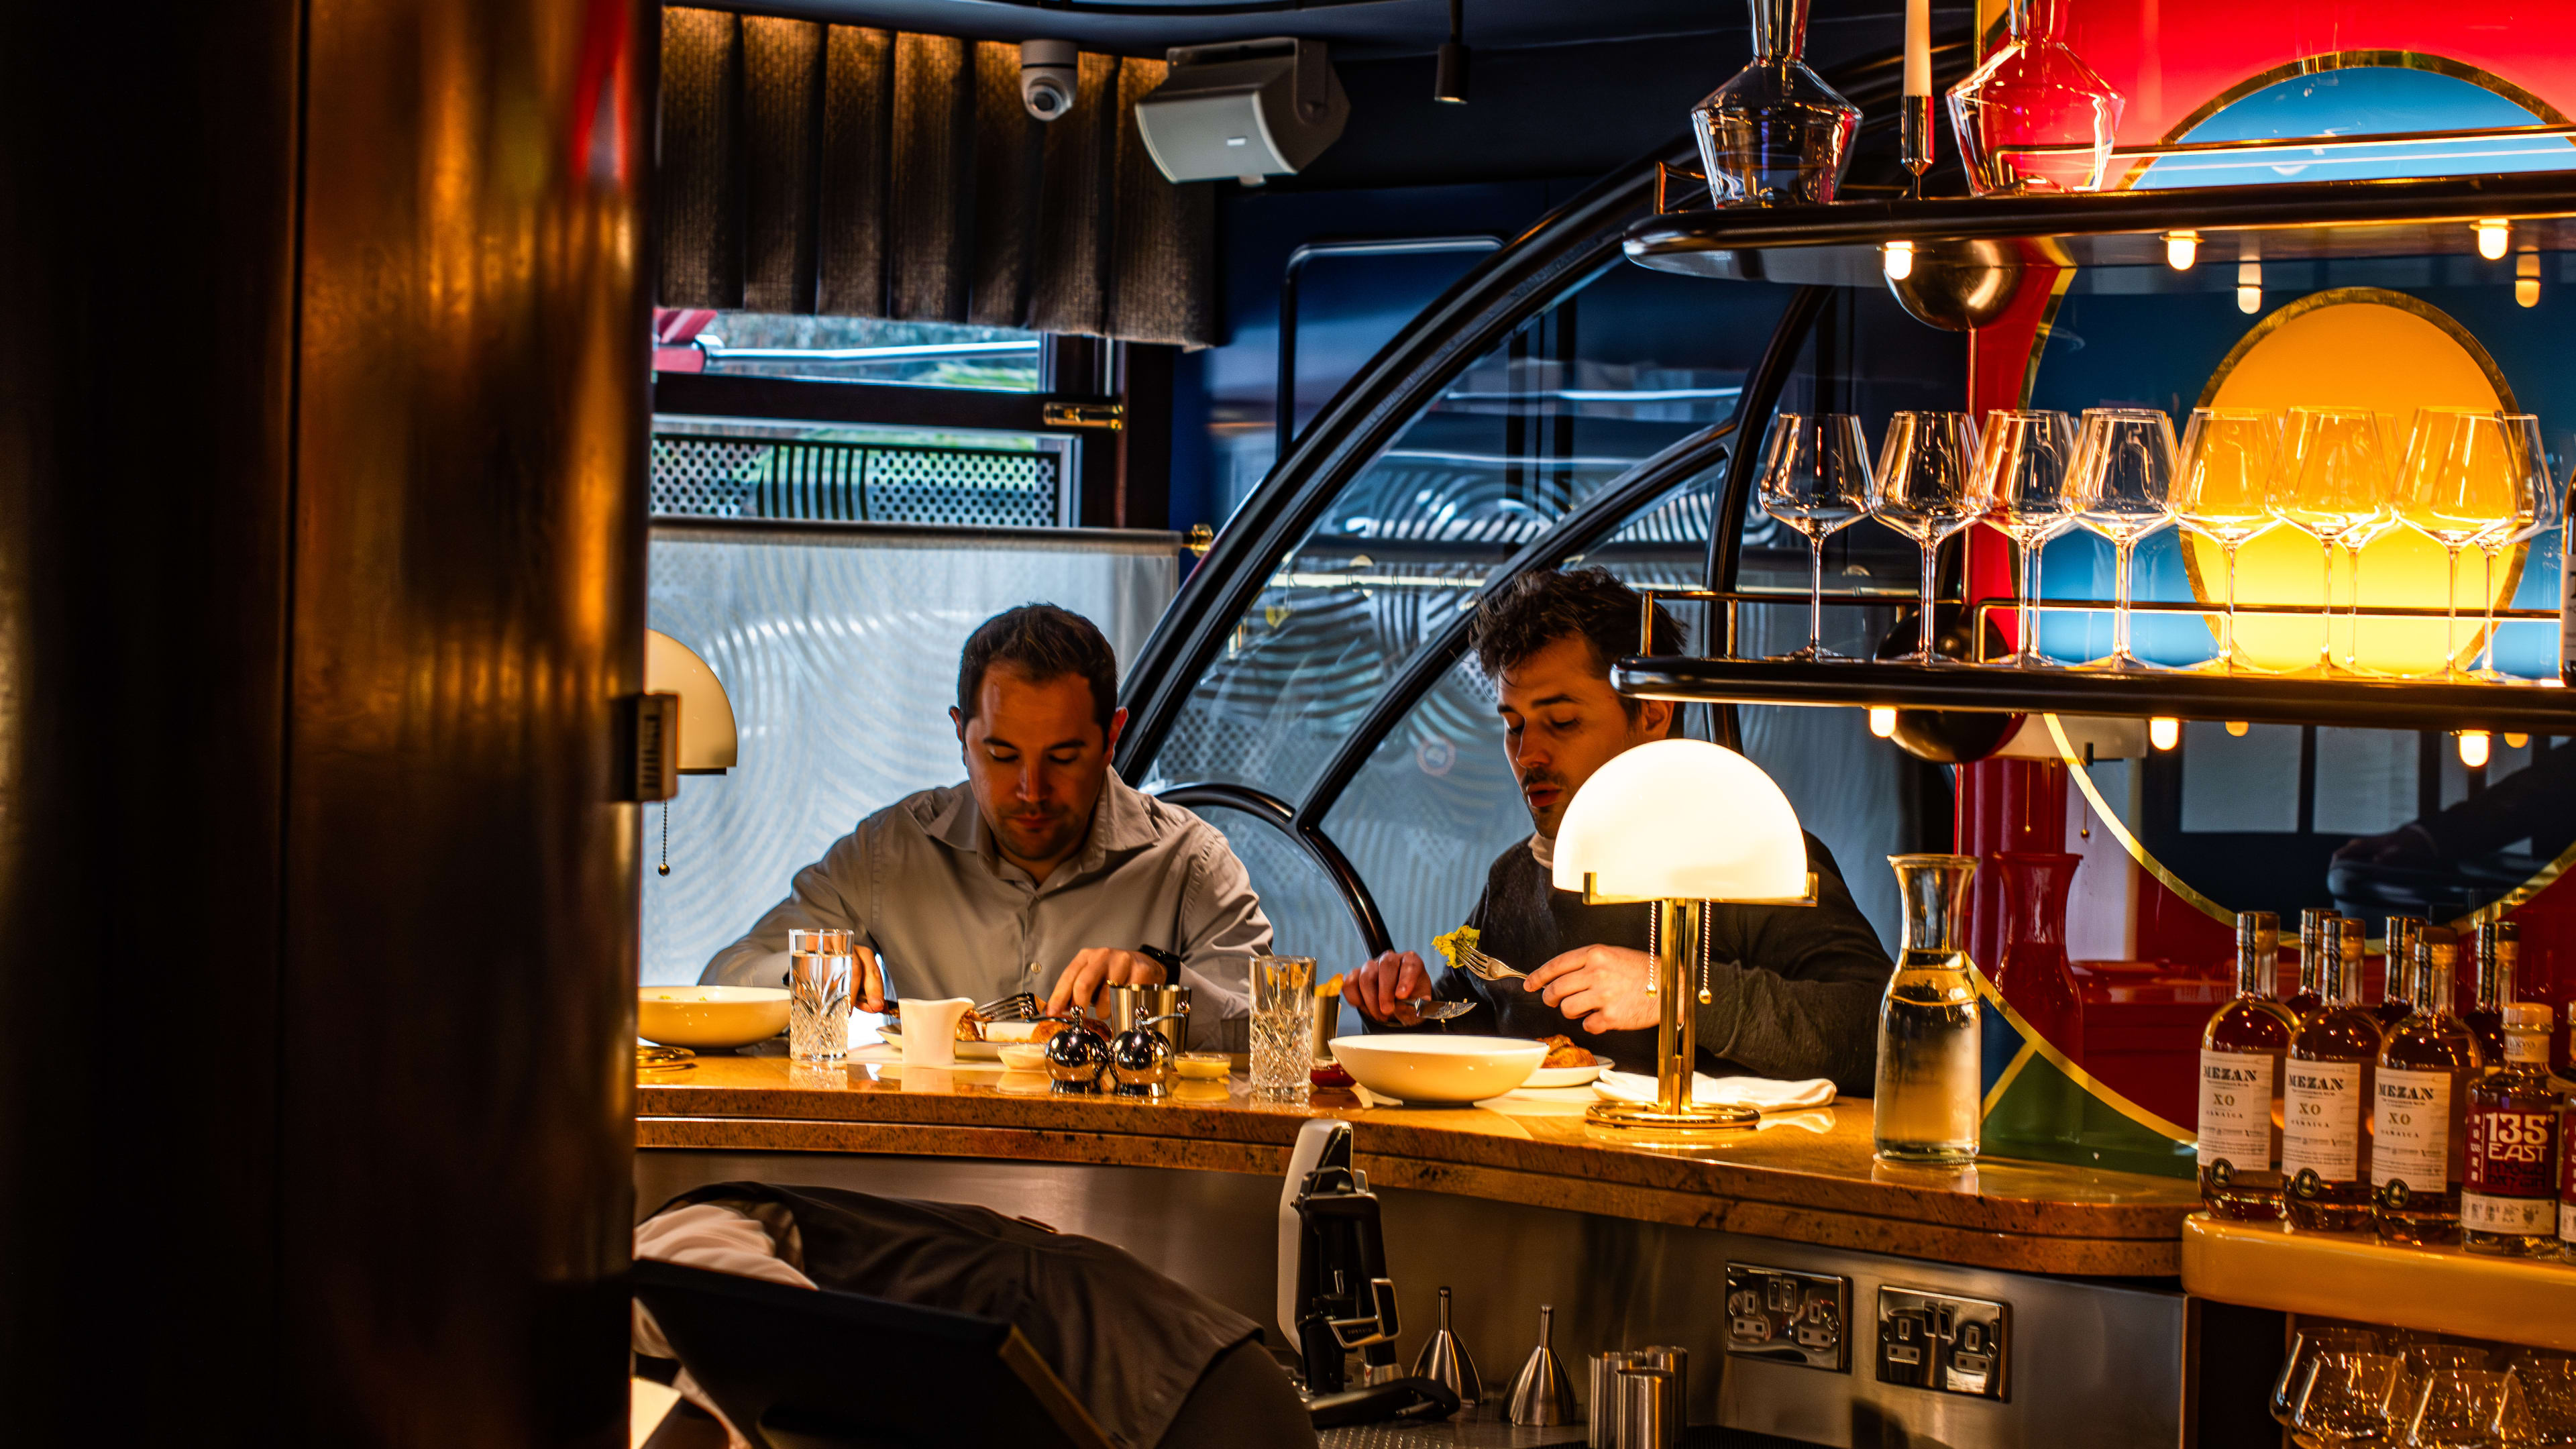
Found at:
<point>1078,1056</point>
<point>1140,1058</point>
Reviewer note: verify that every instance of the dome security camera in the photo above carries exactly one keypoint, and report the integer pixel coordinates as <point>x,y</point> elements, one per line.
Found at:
<point>1048,77</point>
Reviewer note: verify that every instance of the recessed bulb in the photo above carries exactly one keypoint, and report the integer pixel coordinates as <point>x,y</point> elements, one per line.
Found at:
<point>1882,721</point>
<point>2182,248</point>
<point>2164,733</point>
<point>2494,236</point>
<point>2515,742</point>
<point>2526,280</point>
<point>1899,260</point>
<point>2238,727</point>
<point>2473,748</point>
<point>2249,287</point>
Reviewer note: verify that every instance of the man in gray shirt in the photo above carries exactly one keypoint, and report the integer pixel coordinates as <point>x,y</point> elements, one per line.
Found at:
<point>1043,871</point>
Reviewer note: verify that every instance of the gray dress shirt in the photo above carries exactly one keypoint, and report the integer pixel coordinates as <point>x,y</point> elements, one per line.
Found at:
<point>921,884</point>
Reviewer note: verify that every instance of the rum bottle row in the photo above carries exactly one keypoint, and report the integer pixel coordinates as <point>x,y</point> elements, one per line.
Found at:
<point>2412,1121</point>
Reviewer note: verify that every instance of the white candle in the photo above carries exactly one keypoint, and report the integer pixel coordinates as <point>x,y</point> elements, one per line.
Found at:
<point>1918,47</point>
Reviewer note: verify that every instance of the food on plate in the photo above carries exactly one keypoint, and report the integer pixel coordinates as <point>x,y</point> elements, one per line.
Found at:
<point>1021,1031</point>
<point>1563,1053</point>
<point>1452,943</point>
<point>970,1025</point>
<point>1330,1074</point>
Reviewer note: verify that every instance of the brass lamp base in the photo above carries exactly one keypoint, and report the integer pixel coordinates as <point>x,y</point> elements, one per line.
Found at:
<point>1698,1116</point>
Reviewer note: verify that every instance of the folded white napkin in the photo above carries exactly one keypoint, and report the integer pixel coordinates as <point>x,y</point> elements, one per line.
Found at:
<point>1760,1093</point>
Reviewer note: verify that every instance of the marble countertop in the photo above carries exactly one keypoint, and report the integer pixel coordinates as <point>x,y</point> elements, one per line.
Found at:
<point>1804,1176</point>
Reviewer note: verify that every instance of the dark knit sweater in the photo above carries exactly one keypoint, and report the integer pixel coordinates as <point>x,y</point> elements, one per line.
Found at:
<point>1794,989</point>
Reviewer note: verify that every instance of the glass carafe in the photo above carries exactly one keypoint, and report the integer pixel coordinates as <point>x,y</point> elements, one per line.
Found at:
<point>2034,117</point>
<point>2034,977</point>
<point>1926,1105</point>
<point>1775,132</point>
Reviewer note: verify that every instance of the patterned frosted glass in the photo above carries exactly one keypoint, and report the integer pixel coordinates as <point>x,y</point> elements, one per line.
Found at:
<point>840,656</point>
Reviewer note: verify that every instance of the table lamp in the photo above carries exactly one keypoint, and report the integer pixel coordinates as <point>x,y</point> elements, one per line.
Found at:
<point>1684,824</point>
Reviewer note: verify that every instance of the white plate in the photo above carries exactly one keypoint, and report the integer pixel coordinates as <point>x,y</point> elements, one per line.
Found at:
<point>967,1051</point>
<point>1564,1076</point>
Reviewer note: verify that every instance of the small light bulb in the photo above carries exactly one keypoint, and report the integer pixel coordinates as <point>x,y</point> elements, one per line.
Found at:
<point>2494,236</point>
<point>2526,280</point>
<point>2249,287</point>
<point>2473,748</point>
<point>2182,248</point>
<point>2238,727</point>
<point>1882,721</point>
<point>2515,742</point>
<point>1899,260</point>
<point>2164,733</point>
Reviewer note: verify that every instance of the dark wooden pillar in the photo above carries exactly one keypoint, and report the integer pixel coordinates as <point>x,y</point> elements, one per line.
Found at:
<point>321,569</point>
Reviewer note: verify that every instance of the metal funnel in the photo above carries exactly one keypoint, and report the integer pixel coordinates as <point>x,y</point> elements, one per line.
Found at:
<point>1542,1395</point>
<point>1445,1361</point>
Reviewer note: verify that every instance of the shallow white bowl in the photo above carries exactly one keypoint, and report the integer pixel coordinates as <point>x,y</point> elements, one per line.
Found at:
<point>710,1018</point>
<point>1439,1068</point>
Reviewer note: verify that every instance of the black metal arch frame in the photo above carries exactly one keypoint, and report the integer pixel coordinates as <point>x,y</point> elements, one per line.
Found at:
<point>1556,257</point>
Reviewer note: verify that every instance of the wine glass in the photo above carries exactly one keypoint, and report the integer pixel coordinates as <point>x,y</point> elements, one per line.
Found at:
<point>2123,485</point>
<point>2336,484</point>
<point>2454,487</point>
<point>2021,466</point>
<point>2228,458</point>
<point>1815,478</point>
<point>2350,1398</point>
<point>2549,1394</point>
<point>2538,507</point>
<point>1927,489</point>
<point>2466,1408</point>
<point>2305,1349</point>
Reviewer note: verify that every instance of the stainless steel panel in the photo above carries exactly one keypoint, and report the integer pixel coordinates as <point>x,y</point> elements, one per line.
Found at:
<point>2111,1376</point>
<point>1944,1343</point>
<point>1784,1316</point>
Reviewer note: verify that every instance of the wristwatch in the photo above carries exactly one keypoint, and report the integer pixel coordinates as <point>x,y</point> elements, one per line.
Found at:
<point>1169,961</point>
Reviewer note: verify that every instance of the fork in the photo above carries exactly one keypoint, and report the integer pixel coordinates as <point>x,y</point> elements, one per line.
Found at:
<point>1018,1006</point>
<point>1430,1010</point>
<point>1486,966</point>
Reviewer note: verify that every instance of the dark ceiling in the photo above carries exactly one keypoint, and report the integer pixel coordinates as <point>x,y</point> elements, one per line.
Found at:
<point>1359,29</point>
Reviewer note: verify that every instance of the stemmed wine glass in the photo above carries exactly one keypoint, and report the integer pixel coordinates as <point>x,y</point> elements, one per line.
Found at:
<point>2350,1398</point>
<point>1815,478</point>
<point>2455,487</point>
<point>2228,458</point>
<point>2466,1408</point>
<point>2335,484</point>
<point>2538,507</point>
<point>2306,1347</point>
<point>2022,466</point>
<point>1927,488</point>
<point>2123,486</point>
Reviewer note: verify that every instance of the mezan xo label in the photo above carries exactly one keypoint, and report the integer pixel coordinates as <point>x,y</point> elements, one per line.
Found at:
<point>2235,1110</point>
<point>2410,1136</point>
<point>2321,1120</point>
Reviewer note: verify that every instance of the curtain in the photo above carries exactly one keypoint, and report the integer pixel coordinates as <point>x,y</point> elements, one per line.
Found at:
<point>872,173</point>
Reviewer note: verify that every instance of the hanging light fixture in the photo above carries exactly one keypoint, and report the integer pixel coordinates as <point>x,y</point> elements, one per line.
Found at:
<point>1449,72</point>
<point>2249,276</point>
<point>2473,748</point>
<point>2526,278</point>
<point>2494,236</point>
<point>1882,721</point>
<point>2164,733</point>
<point>2182,248</point>
<point>1898,260</point>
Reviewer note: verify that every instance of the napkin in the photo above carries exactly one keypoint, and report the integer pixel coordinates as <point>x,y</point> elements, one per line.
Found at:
<point>1760,1093</point>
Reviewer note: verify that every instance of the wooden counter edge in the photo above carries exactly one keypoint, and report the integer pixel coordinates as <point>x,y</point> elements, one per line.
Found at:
<point>1826,1227</point>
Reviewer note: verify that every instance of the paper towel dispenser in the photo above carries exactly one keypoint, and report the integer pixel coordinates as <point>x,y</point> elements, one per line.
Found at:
<point>1246,109</point>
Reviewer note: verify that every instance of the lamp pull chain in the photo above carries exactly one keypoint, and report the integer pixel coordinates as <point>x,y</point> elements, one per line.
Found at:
<point>665,867</point>
<point>1654,945</point>
<point>1706,920</point>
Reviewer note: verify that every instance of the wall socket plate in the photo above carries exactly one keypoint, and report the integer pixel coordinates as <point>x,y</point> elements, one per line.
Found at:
<point>1945,1343</point>
<point>1786,1316</point>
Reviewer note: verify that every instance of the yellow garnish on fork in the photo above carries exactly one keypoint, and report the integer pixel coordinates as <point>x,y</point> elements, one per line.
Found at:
<point>1451,943</point>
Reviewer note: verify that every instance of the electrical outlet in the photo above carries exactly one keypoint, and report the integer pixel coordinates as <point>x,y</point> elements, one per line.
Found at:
<point>1787,1316</point>
<point>1948,1344</point>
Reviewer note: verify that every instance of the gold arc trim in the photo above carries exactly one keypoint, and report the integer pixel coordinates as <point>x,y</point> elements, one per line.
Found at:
<point>2109,1096</point>
<point>2039,338</point>
<point>2120,831</point>
<point>2003,1083</point>
<point>2334,60</point>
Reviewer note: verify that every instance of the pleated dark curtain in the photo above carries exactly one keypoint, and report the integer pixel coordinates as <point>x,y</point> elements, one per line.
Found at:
<point>873,173</point>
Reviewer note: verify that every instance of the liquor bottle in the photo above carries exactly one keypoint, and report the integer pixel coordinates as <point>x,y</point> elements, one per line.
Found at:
<point>2499,947</point>
<point>2316,963</point>
<point>2325,1116</point>
<point>2509,1203</point>
<point>2567,597</point>
<point>2240,1084</point>
<point>2419,1151</point>
<point>2396,996</point>
<point>2567,1165</point>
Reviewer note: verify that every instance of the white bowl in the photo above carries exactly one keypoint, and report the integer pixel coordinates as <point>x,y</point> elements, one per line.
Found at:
<point>1439,1068</point>
<point>710,1018</point>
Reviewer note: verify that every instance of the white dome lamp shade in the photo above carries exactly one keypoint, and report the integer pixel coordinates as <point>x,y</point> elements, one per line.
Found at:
<point>1681,823</point>
<point>707,739</point>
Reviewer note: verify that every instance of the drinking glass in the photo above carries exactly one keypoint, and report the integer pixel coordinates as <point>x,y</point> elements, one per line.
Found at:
<point>2021,466</point>
<point>1815,478</point>
<point>2123,485</point>
<point>2454,487</point>
<point>818,988</point>
<point>2350,1399</point>
<point>2538,507</point>
<point>2304,1352</point>
<point>2458,1408</point>
<point>1283,1054</point>
<point>2336,482</point>
<point>2549,1394</point>
<point>2228,458</point>
<point>1927,488</point>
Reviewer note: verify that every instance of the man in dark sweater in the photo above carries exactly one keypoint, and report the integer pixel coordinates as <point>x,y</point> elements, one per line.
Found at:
<point>1794,990</point>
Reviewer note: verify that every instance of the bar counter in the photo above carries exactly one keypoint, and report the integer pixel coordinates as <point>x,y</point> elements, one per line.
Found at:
<point>1805,1177</point>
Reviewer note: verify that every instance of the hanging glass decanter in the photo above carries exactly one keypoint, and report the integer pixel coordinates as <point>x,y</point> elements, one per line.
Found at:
<point>1775,133</point>
<point>2034,117</point>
